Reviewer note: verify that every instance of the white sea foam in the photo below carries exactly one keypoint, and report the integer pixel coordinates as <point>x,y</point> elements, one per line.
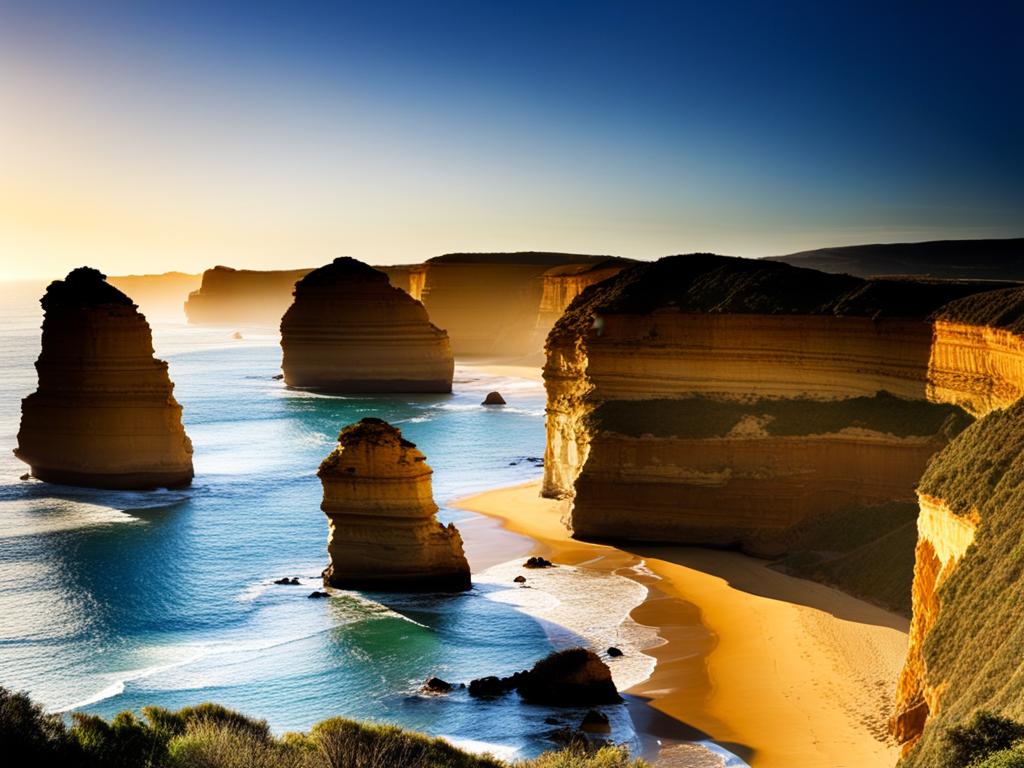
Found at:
<point>575,602</point>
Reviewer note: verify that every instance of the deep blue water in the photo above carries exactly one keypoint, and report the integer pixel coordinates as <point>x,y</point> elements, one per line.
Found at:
<point>114,600</point>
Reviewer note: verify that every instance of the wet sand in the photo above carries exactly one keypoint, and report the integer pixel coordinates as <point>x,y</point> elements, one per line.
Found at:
<point>781,671</point>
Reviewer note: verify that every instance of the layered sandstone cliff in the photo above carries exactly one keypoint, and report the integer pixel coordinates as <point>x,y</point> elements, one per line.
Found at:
<point>242,296</point>
<point>380,511</point>
<point>104,414</point>
<point>489,302</point>
<point>967,637</point>
<point>564,283</point>
<point>349,330</point>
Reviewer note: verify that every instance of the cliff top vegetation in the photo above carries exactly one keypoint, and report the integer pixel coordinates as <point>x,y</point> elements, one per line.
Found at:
<point>1002,309</point>
<point>707,283</point>
<point>536,258</point>
<point>975,647</point>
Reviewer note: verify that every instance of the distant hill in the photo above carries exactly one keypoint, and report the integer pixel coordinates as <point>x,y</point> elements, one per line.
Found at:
<point>975,259</point>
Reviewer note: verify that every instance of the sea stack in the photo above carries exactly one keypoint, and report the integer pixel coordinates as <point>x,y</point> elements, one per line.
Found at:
<point>349,330</point>
<point>380,510</point>
<point>104,414</point>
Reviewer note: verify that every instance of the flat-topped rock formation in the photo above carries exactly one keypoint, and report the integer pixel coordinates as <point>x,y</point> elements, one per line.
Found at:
<point>158,295</point>
<point>383,534</point>
<point>104,414</point>
<point>349,330</point>
<point>231,296</point>
<point>709,400</point>
<point>728,402</point>
<point>489,302</point>
<point>995,259</point>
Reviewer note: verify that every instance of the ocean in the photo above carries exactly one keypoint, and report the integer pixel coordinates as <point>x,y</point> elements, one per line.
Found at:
<point>117,600</point>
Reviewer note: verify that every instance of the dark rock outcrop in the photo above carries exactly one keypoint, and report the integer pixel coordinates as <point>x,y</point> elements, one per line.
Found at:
<point>349,330</point>
<point>493,398</point>
<point>104,413</point>
<point>569,678</point>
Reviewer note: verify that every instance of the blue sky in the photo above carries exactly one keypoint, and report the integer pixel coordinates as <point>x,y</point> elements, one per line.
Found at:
<point>165,136</point>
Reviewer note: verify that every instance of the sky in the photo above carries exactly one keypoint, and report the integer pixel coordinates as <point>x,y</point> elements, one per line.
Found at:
<point>149,137</point>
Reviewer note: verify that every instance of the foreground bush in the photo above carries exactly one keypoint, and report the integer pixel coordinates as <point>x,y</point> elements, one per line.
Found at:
<point>985,734</point>
<point>212,736</point>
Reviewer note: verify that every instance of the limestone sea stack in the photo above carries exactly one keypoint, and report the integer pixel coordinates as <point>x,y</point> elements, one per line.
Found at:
<point>349,330</point>
<point>104,414</point>
<point>380,510</point>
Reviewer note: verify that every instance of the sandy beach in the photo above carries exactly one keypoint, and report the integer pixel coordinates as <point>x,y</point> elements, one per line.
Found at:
<point>783,672</point>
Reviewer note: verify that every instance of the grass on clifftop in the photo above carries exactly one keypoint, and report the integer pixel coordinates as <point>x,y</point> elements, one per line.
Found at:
<point>707,283</point>
<point>701,418</point>
<point>211,736</point>
<point>976,646</point>
<point>997,309</point>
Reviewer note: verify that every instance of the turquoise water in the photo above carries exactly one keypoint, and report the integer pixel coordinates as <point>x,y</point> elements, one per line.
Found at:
<point>115,600</point>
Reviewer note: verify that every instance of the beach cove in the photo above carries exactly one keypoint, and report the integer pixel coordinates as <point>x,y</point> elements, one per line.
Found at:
<point>780,671</point>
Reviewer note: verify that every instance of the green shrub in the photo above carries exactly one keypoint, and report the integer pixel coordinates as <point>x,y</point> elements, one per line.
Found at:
<point>579,756</point>
<point>341,743</point>
<point>213,744</point>
<point>27,731</point>
<point>985,733</point>
<point>1007,758</point>
<point>124,742</point>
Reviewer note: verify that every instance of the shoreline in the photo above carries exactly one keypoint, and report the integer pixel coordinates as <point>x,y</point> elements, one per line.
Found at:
<point>780,671</point>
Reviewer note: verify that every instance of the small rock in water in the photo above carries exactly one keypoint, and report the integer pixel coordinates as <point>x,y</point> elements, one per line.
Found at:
<point>538,562</point>
<point>519,579</point>
<point>493,398</point>
<point>286,580</point>
<point>318,594</point>
<point>488,687</point>
<point>595,722</point>
<point>436,685</point>
<point>614,652</point>
<point>552,720</point>
<point>26,476</point>
<point>237,336</point>
<point>279,377</point>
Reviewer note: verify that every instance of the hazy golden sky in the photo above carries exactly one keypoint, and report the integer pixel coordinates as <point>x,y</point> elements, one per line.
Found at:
<point>170,140</point>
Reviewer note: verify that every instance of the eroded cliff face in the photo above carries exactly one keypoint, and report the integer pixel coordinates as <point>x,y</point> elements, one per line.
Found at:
<point>242,296</point>
<point>488,302</point>
<point>104,413</point>
<point>721,357</point>
<point>380,510</point>
<point>978,367</point>
<point>349,330</point>
<point>942,541</point>
<point>563,284</point>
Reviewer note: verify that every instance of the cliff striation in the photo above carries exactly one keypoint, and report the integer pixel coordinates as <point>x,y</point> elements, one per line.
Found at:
<point>564,283</point>
<point>489,302</point>
<point>349,330</point>
<point>380,510</point>
<point>103,414</point>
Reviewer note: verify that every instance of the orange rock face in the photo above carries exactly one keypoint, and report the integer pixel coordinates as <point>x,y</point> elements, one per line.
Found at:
<point>349,330</point>
<point>242,295</point>
<point>380,511</point>
<point>104,414</point>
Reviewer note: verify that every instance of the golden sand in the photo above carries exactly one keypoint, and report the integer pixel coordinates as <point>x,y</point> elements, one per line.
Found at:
<point>784,672</point>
